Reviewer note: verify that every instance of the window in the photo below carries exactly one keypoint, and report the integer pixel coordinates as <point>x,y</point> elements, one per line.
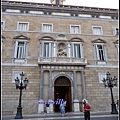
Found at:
<point>77,51</point>
<point>117,51</point>
<point>57,2</point>
<point>12,11</point>
<point>97,30</point>
<point>75,29</point>
<point>20,50</point>
<point>16,74</point>
<point>23,26</point>
<point>100,52</point>
<point>47,27</point>
<point>115,31</point>
<point>101,76</point>
<point>2,25</point>
<point>46,49</point>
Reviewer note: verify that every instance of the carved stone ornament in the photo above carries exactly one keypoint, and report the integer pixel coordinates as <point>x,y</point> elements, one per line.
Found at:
<point>61,50</point>
<point>62,81</point>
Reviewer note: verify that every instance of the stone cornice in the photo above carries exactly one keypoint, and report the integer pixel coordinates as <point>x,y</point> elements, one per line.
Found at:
<point>49,8</point>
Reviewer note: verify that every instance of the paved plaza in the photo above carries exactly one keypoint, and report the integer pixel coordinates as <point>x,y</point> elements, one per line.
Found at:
<point>68,116</point>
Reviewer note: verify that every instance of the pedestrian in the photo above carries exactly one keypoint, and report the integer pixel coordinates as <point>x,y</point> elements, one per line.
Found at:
<point>117,103</point>
<point>62,108</point>
<point>87,109</point>
<point>47,107</point>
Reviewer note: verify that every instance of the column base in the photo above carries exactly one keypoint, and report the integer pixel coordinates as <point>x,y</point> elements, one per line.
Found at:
<point>76,105</point>
<point>51,102</point>
<point>41,106</point>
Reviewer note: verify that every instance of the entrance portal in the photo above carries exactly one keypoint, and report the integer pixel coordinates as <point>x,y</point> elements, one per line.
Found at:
<point>62,90</point>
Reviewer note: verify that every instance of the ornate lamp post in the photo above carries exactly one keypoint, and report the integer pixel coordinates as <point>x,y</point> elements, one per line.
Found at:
<point>20,85</point>
<point>110,83</point>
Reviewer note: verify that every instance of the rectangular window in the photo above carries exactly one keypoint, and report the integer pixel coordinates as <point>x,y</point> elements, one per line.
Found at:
<point>47,27</point>
<point>97,30</point>
<point>77,51</point>
<point>100,52</point>
<point>16,74</point>
<point>20,50</point>
<point>117,51</point>
<point>75,29</point>
<point>46,50</point>
<point>2,25</point>
<point>101,76</point>
<point>115,31</point>
<point>23,26</point>
<point>57,2</point>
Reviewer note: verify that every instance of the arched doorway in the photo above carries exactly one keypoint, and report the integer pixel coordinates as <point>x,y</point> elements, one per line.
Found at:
<point>62,90</point>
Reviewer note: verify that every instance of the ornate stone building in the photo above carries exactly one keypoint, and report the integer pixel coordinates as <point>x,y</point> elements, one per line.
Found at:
<point>65,52</point>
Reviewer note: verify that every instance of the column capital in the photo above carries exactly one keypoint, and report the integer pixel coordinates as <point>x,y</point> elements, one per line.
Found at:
<point>50,70</point>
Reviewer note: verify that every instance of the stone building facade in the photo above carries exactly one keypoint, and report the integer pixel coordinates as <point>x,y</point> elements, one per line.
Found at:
<point>64,51</point>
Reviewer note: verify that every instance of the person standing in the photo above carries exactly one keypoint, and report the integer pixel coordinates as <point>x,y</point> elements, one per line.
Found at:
<point>87,109</point>
<point>47,107</point>
<point>62,108</point>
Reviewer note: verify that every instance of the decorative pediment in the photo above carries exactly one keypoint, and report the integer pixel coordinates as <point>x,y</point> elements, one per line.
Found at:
<point>99,40</point>
<point>21,37</point>
<point>61,35</point>
<point>46,38</point>
<point>116,42</point>
<point>76,39</point>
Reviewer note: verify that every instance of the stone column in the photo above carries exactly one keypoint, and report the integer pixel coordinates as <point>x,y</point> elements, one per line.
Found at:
<point>50,92</point>
<point>83,85</point>
<point>75,93</point>
<point>41,105</point>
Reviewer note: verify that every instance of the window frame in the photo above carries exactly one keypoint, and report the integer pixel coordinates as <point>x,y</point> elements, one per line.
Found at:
<point>101,74</point>
<point>16,48</point>
<point>114,31</point>
<point>50,48</point>
<point>18,23</point>
<point>79,28</point>
<point>104,52</point>
<point>3,26</point>
<point>97,27</point>
<point>47,24</point>
<point>80,50</point>
<point>14,76</point>
<point>117,51</point>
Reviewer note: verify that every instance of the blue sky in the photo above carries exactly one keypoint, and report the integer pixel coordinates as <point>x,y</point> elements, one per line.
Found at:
<point>90,3</point>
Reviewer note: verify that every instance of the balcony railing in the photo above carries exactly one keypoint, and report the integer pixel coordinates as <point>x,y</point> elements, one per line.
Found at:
<point>61,60</point>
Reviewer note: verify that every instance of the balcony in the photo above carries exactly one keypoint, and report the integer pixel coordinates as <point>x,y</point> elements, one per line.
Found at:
<point>62,60</point>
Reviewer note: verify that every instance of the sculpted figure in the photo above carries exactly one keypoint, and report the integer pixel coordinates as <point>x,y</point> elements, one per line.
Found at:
<point>62,52</point>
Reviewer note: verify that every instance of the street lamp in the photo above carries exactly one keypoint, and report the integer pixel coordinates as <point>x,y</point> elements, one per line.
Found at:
<point>19,85</point>
<point>110,83</point>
